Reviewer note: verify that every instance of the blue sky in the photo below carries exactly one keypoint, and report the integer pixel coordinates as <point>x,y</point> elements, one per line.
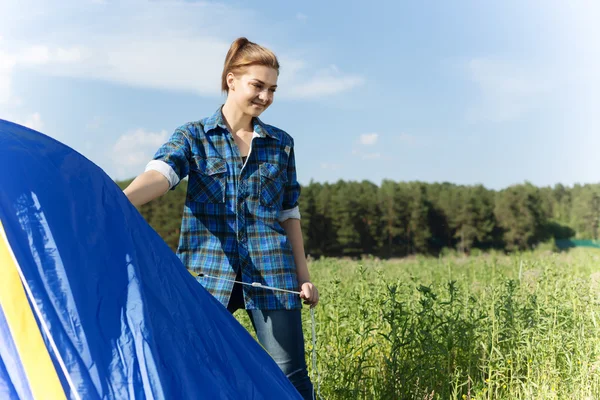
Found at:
<point>465,91</point>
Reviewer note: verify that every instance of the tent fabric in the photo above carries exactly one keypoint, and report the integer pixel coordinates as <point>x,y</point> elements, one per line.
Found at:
<point>27,342</point>
<point>13,382</point>
<point>112,310</point>
<point>570,243</point>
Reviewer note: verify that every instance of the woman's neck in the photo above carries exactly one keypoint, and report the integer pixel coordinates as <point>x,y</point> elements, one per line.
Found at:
<point>236,119</point>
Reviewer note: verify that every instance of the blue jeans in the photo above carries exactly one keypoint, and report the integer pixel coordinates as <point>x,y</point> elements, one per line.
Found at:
<point>280,333</point>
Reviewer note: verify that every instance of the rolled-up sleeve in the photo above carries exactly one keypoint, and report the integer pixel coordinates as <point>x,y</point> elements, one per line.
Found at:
<point>292,190</point>
<point>172,158</point>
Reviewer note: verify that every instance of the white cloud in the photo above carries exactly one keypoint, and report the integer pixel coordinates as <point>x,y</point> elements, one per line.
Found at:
<point>33,121</point>
<point>368,139</point>
<point>168,45</point>
<point>301,17</point>
<point>42,55</point>
<point>68,55</point>
<point>34,55</point>
<point>27,57</point>
<point>156,63</point>
<point>325,82</point>
<point>132,151</point>
<point>507,89</point>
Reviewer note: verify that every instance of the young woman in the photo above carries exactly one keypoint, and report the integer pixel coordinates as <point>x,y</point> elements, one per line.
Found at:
<point>241,220</point>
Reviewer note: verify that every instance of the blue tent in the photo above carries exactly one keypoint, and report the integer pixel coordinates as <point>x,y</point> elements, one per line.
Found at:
<point>93,303</point>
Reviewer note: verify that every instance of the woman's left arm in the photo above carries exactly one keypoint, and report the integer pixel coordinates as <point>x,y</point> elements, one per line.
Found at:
<point>308,291</point>
<point>290,221</point>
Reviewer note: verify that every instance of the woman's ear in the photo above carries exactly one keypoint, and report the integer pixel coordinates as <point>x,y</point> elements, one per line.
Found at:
<point>230,81</point>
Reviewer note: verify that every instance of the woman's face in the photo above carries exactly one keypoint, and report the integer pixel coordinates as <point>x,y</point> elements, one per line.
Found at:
<point>253,91</point>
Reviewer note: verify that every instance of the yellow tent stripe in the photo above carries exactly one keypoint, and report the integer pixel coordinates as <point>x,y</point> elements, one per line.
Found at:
<point>40,371</point>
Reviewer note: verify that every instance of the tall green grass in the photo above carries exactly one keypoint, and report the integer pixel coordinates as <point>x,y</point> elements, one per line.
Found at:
<point>482,327</point>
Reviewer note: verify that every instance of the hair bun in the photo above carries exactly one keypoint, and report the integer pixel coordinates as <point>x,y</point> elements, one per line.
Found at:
<point>239,43</point>
<point>243,53</point>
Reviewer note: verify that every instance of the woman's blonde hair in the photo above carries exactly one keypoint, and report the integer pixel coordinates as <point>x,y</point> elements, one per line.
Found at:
<point>244,53</point>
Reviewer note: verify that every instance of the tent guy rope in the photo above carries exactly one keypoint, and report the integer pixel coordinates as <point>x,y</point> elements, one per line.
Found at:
<point>312,319</point>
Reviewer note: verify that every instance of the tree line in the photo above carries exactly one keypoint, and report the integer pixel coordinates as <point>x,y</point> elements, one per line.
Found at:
<point>395,219</point>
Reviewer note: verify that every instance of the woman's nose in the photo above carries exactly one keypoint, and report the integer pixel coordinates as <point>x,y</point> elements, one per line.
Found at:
<point>265,95</point>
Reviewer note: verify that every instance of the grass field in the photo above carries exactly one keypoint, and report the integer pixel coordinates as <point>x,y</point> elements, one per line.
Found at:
<point>488,326</point>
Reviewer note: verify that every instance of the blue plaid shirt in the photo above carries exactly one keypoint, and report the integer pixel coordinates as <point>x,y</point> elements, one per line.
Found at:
<point>232,212</point>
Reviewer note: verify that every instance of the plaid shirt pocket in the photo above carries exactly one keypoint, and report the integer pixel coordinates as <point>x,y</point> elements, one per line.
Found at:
<point>272,183</point>
<point>208,178</point>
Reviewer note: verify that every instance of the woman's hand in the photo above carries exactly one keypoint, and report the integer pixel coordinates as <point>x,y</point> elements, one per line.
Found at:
<point>309,293</point>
